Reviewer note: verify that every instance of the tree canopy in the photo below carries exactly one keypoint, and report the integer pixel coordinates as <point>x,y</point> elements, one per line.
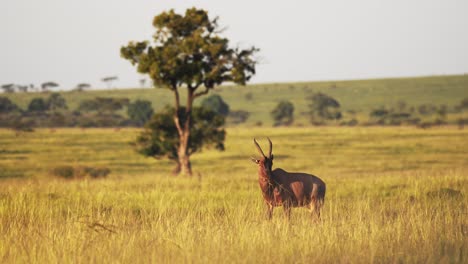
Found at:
<point>187,50</point>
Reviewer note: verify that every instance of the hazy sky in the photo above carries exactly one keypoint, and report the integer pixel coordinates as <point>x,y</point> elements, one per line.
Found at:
<point>70,41</point>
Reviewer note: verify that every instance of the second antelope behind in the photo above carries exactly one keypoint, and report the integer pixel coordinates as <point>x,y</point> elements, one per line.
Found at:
<point>288,189</point>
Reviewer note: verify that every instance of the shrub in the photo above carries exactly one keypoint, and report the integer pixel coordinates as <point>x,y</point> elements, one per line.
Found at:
<point>323,107</point>
<point>238,116</point>
<point>37,105</point>
<point>66,172</point>
<point>140,112</point>
<point>79,172</point>
<point>217,104</point>
<point>283,113</point>
<point>7,106</point>
<point>97,172</point>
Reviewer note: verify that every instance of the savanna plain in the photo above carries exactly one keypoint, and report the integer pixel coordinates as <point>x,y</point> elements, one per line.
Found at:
<point>394,194</point>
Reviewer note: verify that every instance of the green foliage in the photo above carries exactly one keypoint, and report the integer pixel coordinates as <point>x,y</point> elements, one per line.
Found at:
<point>248,96</point>
<point>38,104</point>
<point>283,114</point>
<point>427,109</point>
<point>22,125</point>
<point>238,117</point>
<point>160,139</point>
<point>7,106</point>
<point>216,103</point>
<point>394,117</point>
<point>361,96</point>
<point>464,103</point>
<point>8,88</point>
<point>56,102</point>
<point>323,107</point>
<point>140,112</point>
<point>47,85</point>
<point>187,50</point>
<point>103,104</point>
<point>79,172</point>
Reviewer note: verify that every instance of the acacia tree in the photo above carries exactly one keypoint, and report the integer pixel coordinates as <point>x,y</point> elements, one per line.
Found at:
<point>82,86</point>
<point>109,80</point>
<point>47,85</point>
<point>188,52</point>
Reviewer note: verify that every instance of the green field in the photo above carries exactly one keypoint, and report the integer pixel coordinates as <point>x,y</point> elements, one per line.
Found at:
<point>359,96</point>
<point>393,195</point>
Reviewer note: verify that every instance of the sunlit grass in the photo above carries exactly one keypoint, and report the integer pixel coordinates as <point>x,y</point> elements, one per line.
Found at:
<point>393,195</point>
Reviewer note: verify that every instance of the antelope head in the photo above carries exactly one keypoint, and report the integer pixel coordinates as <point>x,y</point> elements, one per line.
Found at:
<point>265,162</point>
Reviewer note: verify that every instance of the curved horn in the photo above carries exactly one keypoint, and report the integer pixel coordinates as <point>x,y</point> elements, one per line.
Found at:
<point>259,148</point>
<point>271,148</point>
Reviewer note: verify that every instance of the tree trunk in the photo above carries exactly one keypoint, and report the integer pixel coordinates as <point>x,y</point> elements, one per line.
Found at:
<point>183,155</point>
<point>183,129</point>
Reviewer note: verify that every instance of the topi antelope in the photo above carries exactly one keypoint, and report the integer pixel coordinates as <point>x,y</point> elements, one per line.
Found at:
<point>287,189</point>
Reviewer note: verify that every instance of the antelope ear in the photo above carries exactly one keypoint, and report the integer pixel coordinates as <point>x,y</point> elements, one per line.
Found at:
<point>255,160</point>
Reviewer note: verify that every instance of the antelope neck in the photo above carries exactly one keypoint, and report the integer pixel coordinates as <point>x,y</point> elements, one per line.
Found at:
<point>263,177</point>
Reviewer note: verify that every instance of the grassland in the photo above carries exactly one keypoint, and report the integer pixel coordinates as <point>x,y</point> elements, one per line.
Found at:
<point>394,195</point>
<point>359,96</point>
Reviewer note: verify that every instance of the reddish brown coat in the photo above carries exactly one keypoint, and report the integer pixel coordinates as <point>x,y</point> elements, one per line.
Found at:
<point>281,188</point>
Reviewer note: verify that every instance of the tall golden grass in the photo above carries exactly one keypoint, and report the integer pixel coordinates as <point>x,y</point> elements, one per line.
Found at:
<point>393,195</point>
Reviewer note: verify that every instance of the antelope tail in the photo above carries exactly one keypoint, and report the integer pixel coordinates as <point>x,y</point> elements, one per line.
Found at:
<point>318,194</point>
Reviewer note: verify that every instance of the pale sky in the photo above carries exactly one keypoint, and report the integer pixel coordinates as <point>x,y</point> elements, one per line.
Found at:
<point>70,41</point>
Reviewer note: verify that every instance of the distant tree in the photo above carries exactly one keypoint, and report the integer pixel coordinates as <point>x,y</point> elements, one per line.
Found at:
<point>283,114</point>
<point>442,111</point>
<point>427,109</point>
<point>7,106</point>
<point>109,80</point>
<point>37,105</point>
<point>238,116</point>
<point>103,105</point>
<point>160,139</point>
<point>23,88</point>
<point>323,107</point>
<point>217,104</point>
<point>82,86</point>
<point>379,112</point>
<point>464,103</point>
<point>248,96</point>
<point>140,111</point>
<point>8,88</point>
<point>48,85</point>
<point>88,105</point>
<point>189,52</point>
<point>56,102</point>
<point>401,106</point>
